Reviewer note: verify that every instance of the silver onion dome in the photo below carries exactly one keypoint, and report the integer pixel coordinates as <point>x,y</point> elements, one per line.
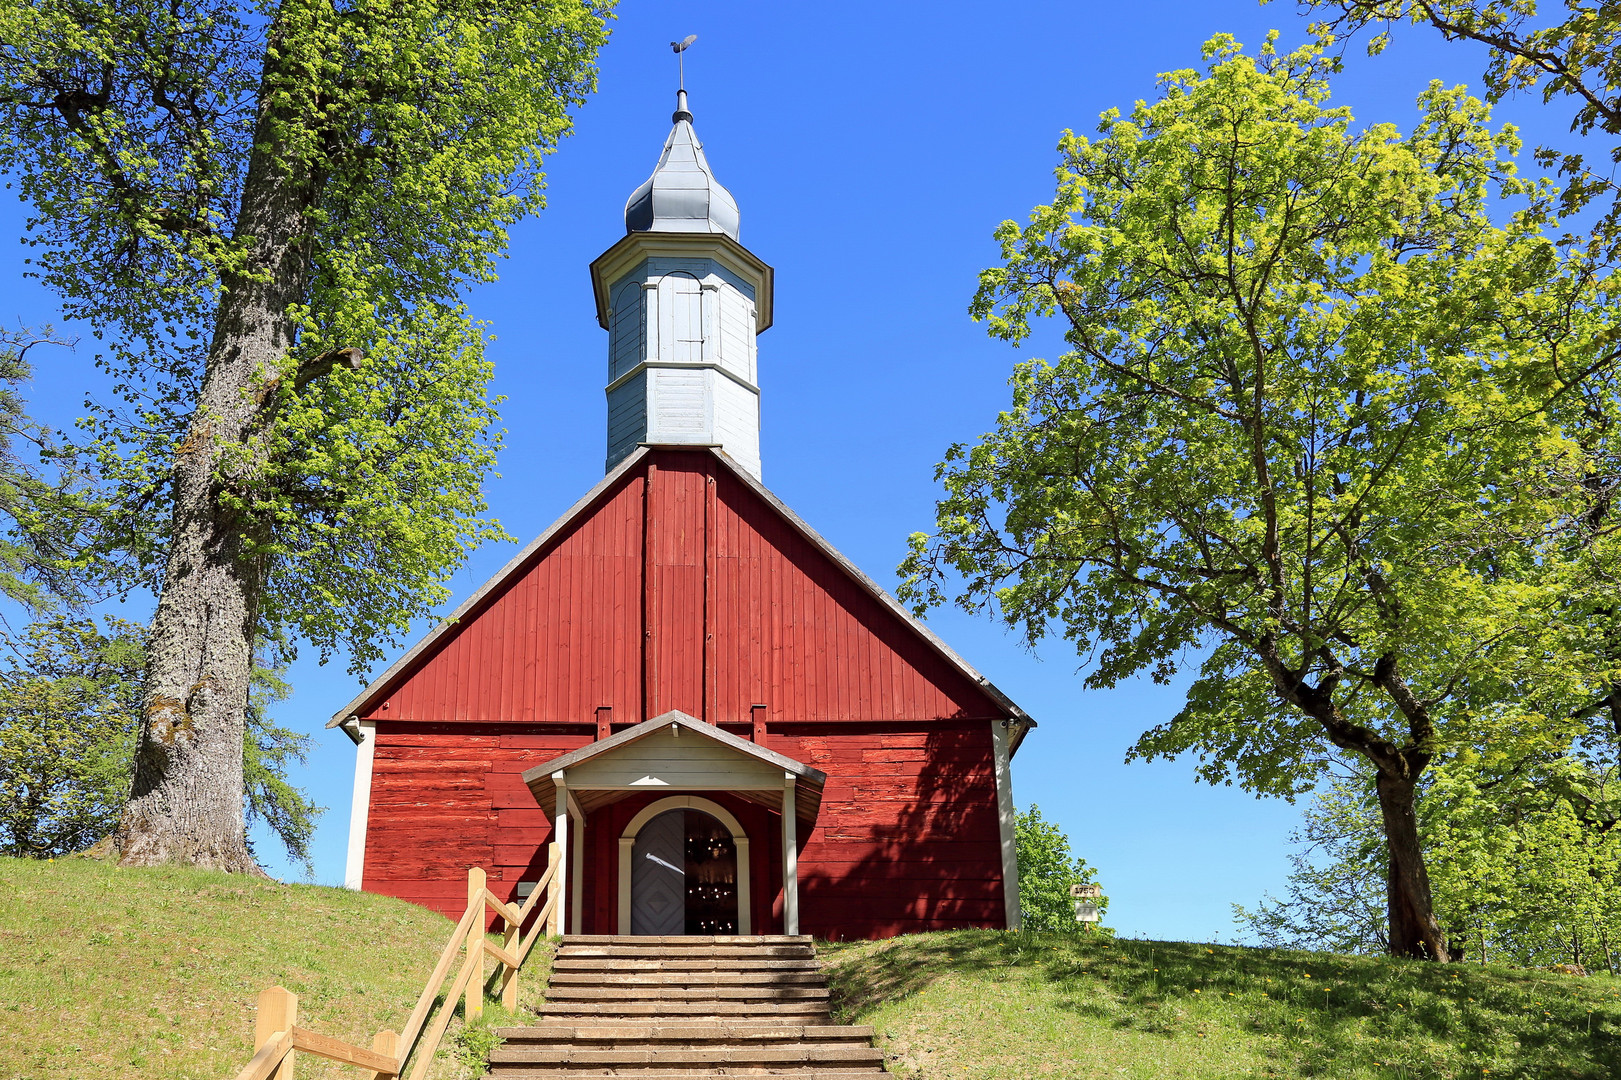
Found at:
<point>682,195</point>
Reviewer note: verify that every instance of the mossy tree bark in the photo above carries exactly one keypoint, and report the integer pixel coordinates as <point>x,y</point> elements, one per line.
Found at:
<point>186,801</point>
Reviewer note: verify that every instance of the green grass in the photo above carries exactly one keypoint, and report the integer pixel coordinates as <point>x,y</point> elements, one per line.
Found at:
<point>977,1004</point>
<point>154,973</point>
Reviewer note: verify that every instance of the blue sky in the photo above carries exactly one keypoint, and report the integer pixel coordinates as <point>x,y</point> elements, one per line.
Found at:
<point>872,147</point>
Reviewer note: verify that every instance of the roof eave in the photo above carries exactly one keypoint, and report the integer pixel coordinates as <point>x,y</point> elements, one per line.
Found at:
<point>365,699</point>
<point>653,239</point>
<point>1015,713</point>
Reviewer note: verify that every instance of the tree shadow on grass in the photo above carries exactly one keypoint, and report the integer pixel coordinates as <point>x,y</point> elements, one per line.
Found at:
<point>1318,1013</point>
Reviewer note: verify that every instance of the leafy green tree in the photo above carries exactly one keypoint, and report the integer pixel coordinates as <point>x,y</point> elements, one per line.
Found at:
<point>1518,878</point>
<point>1320,429</point>
<point>1572,58</point>
<point>268,753</point>
<point>49,510</point>
<point>1335,898</point>
<point>69,699</point>
<point>1047,870</point>
<point>269,213</point>
<point>1576,59</point>
<point>70,706</point>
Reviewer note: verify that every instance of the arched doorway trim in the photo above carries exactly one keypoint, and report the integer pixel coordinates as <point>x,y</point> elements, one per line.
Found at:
<point>627,841</point>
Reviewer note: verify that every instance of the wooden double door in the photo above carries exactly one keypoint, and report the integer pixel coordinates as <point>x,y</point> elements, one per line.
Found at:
<point>684,876</point>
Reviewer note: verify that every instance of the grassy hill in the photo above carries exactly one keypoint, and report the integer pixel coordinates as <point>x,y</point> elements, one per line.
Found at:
<point>980,1004</point>
<point>154,973</point>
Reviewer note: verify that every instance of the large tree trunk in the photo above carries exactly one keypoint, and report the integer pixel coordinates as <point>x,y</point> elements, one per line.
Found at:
<point>186,805</point>
<point>1414,930</point>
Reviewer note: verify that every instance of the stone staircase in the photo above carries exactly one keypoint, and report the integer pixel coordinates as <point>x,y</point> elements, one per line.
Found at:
<point>686,1008</point>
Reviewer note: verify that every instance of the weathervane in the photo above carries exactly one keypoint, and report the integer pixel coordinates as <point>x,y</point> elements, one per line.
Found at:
<point>680,48</point>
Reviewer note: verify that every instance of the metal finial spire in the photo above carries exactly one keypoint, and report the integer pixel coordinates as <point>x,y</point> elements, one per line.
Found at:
<point>680,48</point>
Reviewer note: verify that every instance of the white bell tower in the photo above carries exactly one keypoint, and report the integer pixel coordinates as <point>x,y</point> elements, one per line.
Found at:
<point>682,301</point>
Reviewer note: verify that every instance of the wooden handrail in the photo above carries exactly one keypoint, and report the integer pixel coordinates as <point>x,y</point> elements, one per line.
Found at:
<point>538,932</point>
<point>424,1060</point>
<point>506,911</point>
<point>430,991</point>
<point>264,1063</point>
<point>338,1050</point>
<point>278,1036</point>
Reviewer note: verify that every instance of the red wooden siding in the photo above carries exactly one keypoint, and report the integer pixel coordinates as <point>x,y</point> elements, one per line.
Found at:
<point>448,796</point>
<point>556,642</point>
<point>681,588</point>
<point>907,839</point>
<point>729,606</point>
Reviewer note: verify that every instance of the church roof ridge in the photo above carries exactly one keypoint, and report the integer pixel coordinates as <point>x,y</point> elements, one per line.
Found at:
<point>1018,718</point>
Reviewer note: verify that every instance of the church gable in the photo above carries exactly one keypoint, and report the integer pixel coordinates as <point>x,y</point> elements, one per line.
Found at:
<point>679,583</point>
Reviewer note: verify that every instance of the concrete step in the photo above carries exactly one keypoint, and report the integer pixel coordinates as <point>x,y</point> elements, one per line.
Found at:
<point>810,1011</point>
<point>603,992</point>
<point>686,978</point>
<point>738,963</point>
<point>727,1055</point>
<point>707,952</point>
<point>687,940</point>
<point>686,1008</point>
<point>629,1031</point>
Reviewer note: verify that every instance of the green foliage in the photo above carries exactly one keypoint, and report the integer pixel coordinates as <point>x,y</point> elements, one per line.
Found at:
<point>1577,58</point>
<point>407,137</point>
<point>50,511</point>
<point>70,706</point>
<point>69,698</point>
<point>1323,426</point>
<point>269,751</point>
<point>1047,870</point>
<point>1519,878</point>
<point>475,1041</point>
<point>1336,893</point>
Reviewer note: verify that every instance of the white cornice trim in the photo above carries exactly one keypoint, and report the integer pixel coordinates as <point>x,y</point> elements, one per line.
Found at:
<point>700,365</point>
<point>624,256</point>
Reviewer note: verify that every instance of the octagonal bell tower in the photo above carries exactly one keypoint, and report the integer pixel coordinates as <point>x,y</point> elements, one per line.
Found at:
<point>682,300</point>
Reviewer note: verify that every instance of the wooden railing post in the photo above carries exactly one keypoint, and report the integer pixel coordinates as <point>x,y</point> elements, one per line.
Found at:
<point>554,919</point>
<point>276,1030</point>
<point>278,1012</point>
<point>475,944</point>
<point>509,975</point>
<point>386,1043</point>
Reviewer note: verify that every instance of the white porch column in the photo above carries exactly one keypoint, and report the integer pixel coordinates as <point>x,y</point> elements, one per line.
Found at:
<point>790,857</point>
<point>745,902</point>
<point>577,872</point>
<point>1005,818</point>
<point>627,849</point>
<point>360,805</point>
<point>560,834</point>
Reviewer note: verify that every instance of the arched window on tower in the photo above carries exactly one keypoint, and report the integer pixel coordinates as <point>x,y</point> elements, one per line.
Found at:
<point>625,335</point>
<point>681,308</point>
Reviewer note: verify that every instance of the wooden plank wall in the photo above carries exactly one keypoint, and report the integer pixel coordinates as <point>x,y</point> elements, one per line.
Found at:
<point>448,796</point>
<point>906,841</point>
<point>683,589</point>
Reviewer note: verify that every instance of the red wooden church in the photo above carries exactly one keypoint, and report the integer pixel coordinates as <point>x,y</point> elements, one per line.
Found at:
<point>725,725</point>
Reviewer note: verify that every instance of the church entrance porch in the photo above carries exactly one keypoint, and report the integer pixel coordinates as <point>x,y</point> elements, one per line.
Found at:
<point>685,862</point>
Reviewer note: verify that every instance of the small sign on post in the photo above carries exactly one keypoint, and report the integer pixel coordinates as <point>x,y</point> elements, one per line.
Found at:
<point>1085,910</point>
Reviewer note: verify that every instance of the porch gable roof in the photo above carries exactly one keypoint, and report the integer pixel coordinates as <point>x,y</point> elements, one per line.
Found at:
<point>651,757</point>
